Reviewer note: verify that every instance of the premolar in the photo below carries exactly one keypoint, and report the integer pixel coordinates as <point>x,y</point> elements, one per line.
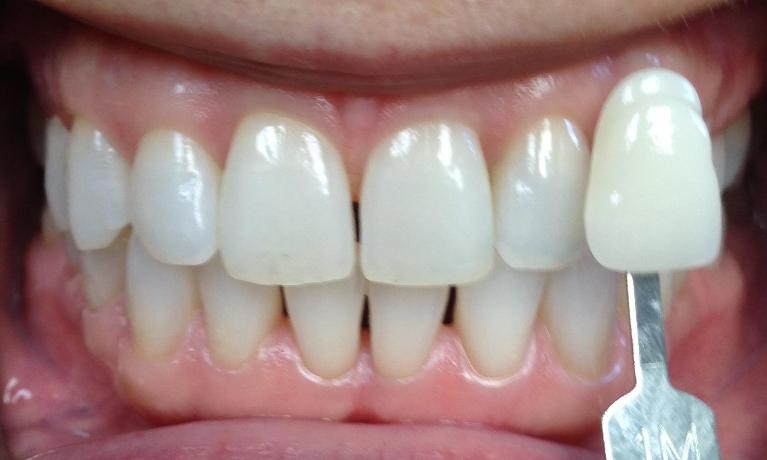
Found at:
<point>495,318</point>
<point>286,213</point>
<point>238,314</point>
<point>404,321</point>
<point>539,191</point>
<point>425,208</point>
<point>97,187</point>
<point>174,191</point>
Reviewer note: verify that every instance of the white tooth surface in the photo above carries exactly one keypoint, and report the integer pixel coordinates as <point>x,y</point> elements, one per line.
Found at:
<point>653,200</point>
<point>495,318</point>
<point>160,301</point>
<point>56,143</point>
<point>238,315</point>
<point>174,197</point>
<point>104,273</point>
<point>719,159</point>
<point>539,190</point>
<point>425,211</point>
<point>286,213</point>
<point>404,322</point>
<point>737,137</point>
<point>579,310</point>
<point>326,319</point>
<point>98,188</point>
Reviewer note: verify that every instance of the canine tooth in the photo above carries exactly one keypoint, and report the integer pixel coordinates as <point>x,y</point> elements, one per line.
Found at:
<point>238,314</point>
<point>326,319</point>
<point>736,137</point>
<point>56,142</point>
<point>98,188</point>
<point>174,198</point>
<point>653,200</point>
<point>539,191</point>
<point>160,301</point>
<point>425,211</point>
<point>286,213</point>
<point>579,309</point>
<point>404,322</point>
<point>104,273</point>
<point>495,318</point>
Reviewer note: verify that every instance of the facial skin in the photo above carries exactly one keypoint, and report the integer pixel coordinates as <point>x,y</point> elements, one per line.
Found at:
<point>355,71</point>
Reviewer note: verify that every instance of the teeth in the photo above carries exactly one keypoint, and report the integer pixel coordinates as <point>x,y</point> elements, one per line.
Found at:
<point>98,184</point>
<point>104,273</point>
<point>579,310</point>
<point>403,326</point>
<point>539,191</point>
<point>495,318</point>
<point>730,150</point>
<point>425,211</point>
<point>653,201</point>
<point>286,215</point>
<point>174,197</point>
<point>238,315</point>
<point>326,320</point>
<point>160,301</point>
<point>56,141</point>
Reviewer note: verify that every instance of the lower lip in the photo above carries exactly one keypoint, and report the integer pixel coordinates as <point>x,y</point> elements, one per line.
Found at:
<point>275,438</point>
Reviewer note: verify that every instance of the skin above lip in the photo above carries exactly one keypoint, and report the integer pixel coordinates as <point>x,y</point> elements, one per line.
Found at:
<point>345,43</point>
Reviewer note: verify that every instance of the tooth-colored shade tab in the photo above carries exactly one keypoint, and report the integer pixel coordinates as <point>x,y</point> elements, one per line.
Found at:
<point>539,190</point>
<point>425,210</point>
<point>56,160</point>
<point>579,310</point>
<point>286,213</point>
<point>160,301</point>
<point>326,319</point>
<point>104,273</point>
<point>495,317</point>
<point>404,322</point>
<point>653,200</point>
<point>238,315</point>
<point>174,195</point>
<point>98,188</point>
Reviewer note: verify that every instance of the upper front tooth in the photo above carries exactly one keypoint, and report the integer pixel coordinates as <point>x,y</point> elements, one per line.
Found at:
<point>98,186</point>
<point>56,143</point>
<point>425,211</point>
<point>174,193</point>
<point>286,215</point>
<point>539,191</point>
<point>653,200</point>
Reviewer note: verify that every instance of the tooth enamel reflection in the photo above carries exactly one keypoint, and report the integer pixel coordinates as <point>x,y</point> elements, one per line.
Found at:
<point>286,214</point>
<point>238,315</point>
<point>495,318</point>
<point>174,196</point>
<point>56,143</point>
<point>425,209</point>
<point>539,191</point>
<point>98,188</point>
<point>104,273</point>
<point>579,309</point>
<point>404,322</point>
<point>653,200</point>
<point>160,301</point>
<point>326,319</point>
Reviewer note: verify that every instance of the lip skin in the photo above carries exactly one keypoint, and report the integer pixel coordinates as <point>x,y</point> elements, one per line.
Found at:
<point>727,373</point>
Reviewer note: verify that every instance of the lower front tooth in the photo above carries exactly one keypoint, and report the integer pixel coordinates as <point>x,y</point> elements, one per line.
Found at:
<point>404,322</point>
<point>174,196</point>
<point>495,318</point>
<point>238,314</point>
<point>160,301</point>
<point>104,272</point>
<point>579,309</point>
<point>326,320</point>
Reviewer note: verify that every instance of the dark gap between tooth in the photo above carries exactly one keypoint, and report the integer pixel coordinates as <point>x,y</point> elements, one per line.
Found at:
<point>366,314</point>
<point>356,210</point>
<point>450,310</point>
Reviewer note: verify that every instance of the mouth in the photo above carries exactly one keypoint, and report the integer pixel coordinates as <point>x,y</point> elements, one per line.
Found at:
<point>208,257</point>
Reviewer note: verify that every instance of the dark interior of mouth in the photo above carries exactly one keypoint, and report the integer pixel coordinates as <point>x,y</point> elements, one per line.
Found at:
<point>21,204</point>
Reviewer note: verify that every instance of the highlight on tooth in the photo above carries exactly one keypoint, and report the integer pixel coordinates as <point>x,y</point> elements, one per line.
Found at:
<point>652,202</point>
